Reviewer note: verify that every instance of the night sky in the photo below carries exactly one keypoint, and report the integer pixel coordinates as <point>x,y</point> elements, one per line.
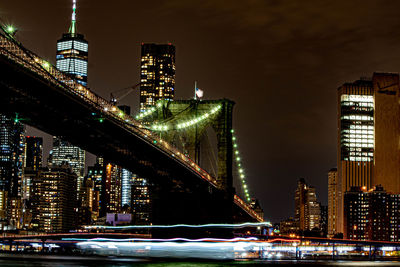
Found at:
<point>280,61</point>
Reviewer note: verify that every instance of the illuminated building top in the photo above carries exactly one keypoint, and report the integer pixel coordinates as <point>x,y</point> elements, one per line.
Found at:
<point>357,127</point>
<point>72,52</point>
<point>157,74</point>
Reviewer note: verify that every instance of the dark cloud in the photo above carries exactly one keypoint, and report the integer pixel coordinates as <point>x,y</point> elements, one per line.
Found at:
<point>281,61</point>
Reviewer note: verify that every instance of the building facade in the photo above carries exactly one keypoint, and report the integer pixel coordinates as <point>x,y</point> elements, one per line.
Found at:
<point>72,59</point>
<point>368,130</point>
<point>333,198</point>
<point>112,193</point>
<point>54,200</point>
<point>307,207</point>
<point>33,152</point>
<point>371,214</point>
<point>157,74</point>
<point>289,227</point>
<point>12,147</point>
<point>64,152</point>
<point>72,53</point>
<point>141,201</point>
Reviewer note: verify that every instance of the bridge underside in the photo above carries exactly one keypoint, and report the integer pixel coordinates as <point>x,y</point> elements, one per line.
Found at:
<point>179,196</point>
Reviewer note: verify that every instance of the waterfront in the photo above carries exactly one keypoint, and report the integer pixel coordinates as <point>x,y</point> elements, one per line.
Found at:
<point>41,260</point>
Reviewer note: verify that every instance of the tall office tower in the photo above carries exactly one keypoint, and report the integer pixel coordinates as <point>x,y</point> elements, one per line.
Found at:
<point>157,74</point>
<point>72,52</point>
<point>72,59</point>
<point>141,201</point>
<point>54,199</point>
<point>299,202</point>
<point>368,130</point>
<point>111,198</point>
<point>356,140</point>
<point>11,166</point>
<point>33,152</point>
<point>63,153</point>
<point>95,173</point>
<point>387,131</point>
<point>127,179</point>
<point>307,208</point>
<point>332,202</point>
<point>33,161</point>
<point>312,210</point>
<point>12,155</point>
<point>87,203</point>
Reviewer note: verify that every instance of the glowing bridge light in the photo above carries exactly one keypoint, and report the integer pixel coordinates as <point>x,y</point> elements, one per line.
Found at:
<point>46,65</point>
<point>10,29</point>
<point>147,113</point>
<point>239,168</point>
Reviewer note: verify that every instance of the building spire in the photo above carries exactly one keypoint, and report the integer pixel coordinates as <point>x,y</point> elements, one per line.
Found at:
<point>72,29</point>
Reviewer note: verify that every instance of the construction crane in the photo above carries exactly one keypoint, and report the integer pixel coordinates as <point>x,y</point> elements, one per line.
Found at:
<point>114,98</point>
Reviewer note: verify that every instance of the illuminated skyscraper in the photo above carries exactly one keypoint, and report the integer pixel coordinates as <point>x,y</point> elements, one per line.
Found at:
<point>111,195</point>
<point>54,199</point>
<point>12,155</point>
<point>157,74</point>
<point>11,166</point>
<point>64,152</point>
<point>141,202</point>
<point>72,58</point>
<point>332,202</point>
<point>72,52</point>
<point>307,208</point>
<point>368,130</point>
<point>33,162</point>
<point>126,187</point>
<point>95,174</point>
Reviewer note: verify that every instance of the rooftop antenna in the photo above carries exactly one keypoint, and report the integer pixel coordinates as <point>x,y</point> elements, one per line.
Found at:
<point>72,29</point>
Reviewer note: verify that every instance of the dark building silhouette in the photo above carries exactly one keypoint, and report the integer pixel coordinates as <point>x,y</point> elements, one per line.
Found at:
<point>33,152</point>
<point>11,166</point>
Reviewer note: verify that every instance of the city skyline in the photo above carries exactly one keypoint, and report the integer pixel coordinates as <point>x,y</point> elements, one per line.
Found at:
<point>269,167</point>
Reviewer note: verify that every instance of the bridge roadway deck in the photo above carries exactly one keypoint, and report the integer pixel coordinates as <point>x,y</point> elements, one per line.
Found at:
<point>48,100</point>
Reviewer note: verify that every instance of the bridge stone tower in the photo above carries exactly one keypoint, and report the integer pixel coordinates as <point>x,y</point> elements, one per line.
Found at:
<point>186,133</point>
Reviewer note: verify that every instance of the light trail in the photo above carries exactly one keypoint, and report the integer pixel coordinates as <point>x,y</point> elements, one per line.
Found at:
<point>176,239</point>
<point>211,225</point>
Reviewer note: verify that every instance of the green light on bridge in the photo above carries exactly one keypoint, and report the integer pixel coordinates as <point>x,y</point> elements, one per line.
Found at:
<point>11,29</point>
<point>46,65</point>
<point>16,120</point>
